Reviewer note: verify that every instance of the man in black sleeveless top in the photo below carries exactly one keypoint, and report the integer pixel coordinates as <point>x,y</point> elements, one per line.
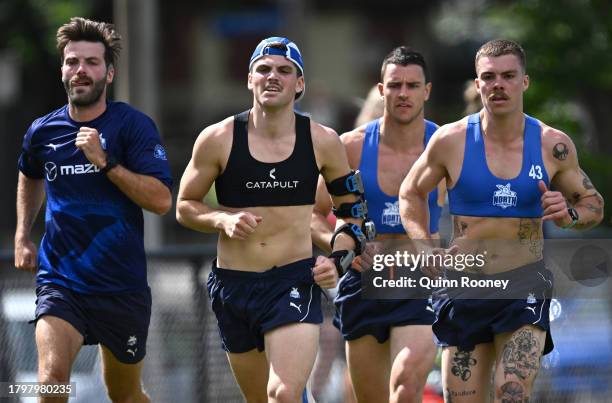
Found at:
<point>265,284</point>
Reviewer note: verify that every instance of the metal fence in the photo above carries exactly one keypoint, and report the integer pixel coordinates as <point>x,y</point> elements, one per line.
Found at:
<point>185,362</point>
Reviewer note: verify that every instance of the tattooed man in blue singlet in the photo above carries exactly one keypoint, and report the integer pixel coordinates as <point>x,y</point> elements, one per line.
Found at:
<point>500,167</point>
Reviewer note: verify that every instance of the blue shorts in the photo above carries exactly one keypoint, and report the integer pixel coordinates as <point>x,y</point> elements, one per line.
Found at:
<point>249,304</point>
<point>119,322</point>
<point>357,316</point>
<point>464,322</point>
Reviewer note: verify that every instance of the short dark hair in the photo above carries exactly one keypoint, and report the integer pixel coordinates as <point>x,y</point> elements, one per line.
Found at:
<point>81,29</point>
<point>501,47</point>
<point>404,56</point>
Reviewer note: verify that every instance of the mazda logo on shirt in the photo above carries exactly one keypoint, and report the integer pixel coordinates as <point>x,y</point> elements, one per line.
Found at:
<point>50,171</point>
<point>78,169</point>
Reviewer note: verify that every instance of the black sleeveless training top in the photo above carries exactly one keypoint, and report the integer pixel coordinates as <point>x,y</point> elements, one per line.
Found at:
<point>247,182</point>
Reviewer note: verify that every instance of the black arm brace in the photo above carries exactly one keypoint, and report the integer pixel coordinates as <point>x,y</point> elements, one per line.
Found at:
<point>350,183</point>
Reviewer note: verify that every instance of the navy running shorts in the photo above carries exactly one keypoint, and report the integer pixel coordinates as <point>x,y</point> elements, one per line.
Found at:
<point>464,322</point>
<point>119,322</point>
<point>357,316</point>
<point>248,304</point>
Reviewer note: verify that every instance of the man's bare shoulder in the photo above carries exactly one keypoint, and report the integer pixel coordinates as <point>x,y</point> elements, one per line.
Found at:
<point>218,131</point>
<point>323,136</point>
<point>354,137</point>
<point>353,144</point>
<point>216,138</point>
<point>451,134</point>
<point>552,136</point>
<point>559,145</point>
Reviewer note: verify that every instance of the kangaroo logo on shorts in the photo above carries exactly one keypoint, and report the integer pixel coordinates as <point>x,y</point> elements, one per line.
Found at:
<point>132,340</point>
<point>390,215</point>
<point>294,293</point>
<point>504,197</point>
<point>531,299</point>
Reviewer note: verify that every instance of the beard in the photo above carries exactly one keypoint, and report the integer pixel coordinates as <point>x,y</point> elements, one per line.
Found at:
<point>85,98</point>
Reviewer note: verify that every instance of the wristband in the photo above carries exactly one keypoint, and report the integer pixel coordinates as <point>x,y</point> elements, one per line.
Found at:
<point>111,162</point>
<point>574,216</point>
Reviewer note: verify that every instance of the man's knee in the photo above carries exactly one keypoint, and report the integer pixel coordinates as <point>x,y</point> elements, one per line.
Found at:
<point>405,388</point>
<point>54,374</point>
<point>405,393</point>
<point>513,391</point>
<point>55,371</point>
<point>283,393</point>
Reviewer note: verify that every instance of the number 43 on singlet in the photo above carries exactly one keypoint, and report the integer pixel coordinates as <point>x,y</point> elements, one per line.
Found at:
<point>535,172</point>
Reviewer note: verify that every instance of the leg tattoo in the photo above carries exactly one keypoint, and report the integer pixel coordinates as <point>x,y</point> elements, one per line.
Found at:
<point>521,355</point>
<point>512,392</point>
<point>462,362</point>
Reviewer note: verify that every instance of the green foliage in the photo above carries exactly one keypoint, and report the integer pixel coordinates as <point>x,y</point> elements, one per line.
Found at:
<point>568,42</point>
<point>569,59</point>
<point>29,26</point>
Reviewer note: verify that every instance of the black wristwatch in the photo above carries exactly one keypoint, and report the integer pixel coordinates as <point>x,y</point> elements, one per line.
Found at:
<point>574,216</point>
<point>111,162</point>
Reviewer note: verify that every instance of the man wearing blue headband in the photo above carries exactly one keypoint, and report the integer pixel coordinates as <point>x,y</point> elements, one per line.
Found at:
<point>265,285</point>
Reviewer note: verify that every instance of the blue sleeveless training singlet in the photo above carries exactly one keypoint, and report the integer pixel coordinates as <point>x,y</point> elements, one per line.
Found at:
<point>382,208</point>
<point>479,193</point>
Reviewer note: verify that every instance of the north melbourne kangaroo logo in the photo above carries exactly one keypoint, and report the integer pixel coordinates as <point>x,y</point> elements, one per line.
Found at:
<point>531,299</point>
<point>391,215</point>
<point>504,197</point>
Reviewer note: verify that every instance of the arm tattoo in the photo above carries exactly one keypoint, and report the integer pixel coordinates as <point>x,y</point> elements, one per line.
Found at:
<point>586,182</point>
<point>598,199</point>
<point>462,361</point>
<point>560,151</point>
<point>512,392</point>
<point>521,355</point>
<point>529,234</point>
<point>596,210</point>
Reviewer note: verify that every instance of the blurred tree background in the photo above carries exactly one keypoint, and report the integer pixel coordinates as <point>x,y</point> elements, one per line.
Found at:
<point>569,60</point>
<point>569,45</point>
